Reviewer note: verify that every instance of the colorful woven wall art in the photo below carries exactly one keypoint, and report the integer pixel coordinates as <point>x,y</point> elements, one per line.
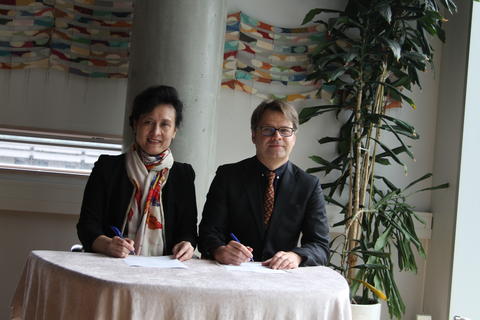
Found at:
<point>269,61</point>
<point>25,28</point>
<point>85,37</point>
<point>92,37</point>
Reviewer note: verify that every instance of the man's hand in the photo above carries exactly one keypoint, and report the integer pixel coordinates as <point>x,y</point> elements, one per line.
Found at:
<point>233,253</point>
<point>283,260</point>
<point>183,250</point>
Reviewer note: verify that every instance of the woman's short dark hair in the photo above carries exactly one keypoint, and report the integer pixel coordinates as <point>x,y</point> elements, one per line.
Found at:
<point>151,97</point>
<point>274,105</point>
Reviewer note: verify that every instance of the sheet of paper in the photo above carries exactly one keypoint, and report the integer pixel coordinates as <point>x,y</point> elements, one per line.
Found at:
<point>252,267</point>
<point>154,262</point>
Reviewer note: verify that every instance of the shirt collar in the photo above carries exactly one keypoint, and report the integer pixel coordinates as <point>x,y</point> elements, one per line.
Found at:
<point>278,172</point>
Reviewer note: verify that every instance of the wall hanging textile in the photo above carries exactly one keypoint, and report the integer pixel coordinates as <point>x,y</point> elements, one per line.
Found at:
<point>85,37</point>
<point>269,61</point>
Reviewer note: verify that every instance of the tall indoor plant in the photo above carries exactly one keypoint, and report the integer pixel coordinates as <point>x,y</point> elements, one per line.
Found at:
<point>371,52</point>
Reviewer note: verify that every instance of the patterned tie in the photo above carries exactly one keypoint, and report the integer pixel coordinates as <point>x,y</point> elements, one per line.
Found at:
<point>269,198</point>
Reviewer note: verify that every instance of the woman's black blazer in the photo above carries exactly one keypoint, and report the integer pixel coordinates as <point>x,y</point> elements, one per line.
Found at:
<point>108,193</point>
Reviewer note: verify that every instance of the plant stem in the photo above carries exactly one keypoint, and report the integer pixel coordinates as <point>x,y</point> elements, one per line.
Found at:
<point>354,231</point>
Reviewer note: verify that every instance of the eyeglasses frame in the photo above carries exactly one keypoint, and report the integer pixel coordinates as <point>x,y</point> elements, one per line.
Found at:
<point>275,130</point>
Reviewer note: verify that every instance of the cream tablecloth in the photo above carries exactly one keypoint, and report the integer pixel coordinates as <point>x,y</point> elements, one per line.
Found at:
<point>66,285</point>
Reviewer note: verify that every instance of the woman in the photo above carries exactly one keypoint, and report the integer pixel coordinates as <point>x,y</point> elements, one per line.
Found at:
<point>143,193</point>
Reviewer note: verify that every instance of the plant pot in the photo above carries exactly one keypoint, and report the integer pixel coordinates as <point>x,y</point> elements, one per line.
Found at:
<point>366,311</point>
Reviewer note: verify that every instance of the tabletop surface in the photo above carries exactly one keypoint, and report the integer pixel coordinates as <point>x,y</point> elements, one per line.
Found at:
<point>204,273</point>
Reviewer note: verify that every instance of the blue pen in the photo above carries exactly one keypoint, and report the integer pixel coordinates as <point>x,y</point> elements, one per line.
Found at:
<point>119,234</point>
<point>236,239</point>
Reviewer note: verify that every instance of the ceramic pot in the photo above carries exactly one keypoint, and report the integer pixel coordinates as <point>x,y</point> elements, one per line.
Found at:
<point>366,311</point>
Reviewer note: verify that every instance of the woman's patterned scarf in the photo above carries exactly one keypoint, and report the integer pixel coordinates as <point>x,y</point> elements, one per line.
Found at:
<point>145,215</point>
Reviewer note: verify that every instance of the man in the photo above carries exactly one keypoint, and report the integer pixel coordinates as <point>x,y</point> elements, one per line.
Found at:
<point>266,201</point>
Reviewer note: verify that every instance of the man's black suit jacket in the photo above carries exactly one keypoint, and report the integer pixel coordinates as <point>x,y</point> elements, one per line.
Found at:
<point>235,205</point>
<point>108,193</point>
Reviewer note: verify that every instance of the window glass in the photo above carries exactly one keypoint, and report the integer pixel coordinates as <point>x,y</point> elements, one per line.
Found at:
<point>72,155</point>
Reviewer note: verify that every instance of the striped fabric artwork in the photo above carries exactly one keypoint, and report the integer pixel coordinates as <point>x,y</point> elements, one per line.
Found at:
<point>269,61</point>
<point>92,37</point>
<point>84,37</point>
<point>25,27</point>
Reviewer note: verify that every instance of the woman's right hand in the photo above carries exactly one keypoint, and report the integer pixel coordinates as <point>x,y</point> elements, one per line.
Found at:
<point>114,247</point>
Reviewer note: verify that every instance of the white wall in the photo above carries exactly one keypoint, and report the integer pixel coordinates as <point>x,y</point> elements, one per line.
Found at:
<point>56,99</point>
<point>51,99</point>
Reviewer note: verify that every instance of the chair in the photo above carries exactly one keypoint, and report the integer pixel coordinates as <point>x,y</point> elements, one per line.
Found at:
<point>77,248</point>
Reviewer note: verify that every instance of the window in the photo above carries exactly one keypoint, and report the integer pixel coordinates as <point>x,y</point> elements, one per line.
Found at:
<point>53,152</point>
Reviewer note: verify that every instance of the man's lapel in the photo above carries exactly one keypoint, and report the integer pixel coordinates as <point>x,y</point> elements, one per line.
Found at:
<point>252,186</point>
<point>283,198</point>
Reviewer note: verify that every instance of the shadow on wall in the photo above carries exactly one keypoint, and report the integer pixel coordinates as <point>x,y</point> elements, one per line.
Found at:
<point>22,233</point>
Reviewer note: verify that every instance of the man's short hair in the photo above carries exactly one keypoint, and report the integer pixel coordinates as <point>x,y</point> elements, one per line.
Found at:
<point>274,105</point>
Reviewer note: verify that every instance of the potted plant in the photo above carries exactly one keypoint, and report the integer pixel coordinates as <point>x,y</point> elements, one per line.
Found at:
<point>370,55</point>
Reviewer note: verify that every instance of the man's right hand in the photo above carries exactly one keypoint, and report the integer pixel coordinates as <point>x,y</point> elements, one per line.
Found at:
<point>233,253</point>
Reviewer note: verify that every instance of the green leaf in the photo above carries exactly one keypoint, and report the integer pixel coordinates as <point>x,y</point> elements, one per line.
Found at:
<point>316,169</point>
<point>401,81</point>
<point>383,239</point>
<point>370,266</point>
<point>385,11</point>
<point>390,153</point>
<point>335,202</point>
<point>404,97</point>
<point>394,46</point>
<point>387,182</point>
<point>401,131</point>
<point>416,56</point>
<point>402,124</point>
<point>312,13</point>
<point>310,112</point>
<point>328,139</point>
<point>426,176</point>
<point>320,160</point>
<point>396,150</point>
<point>405,147</point>
<point>380,254</point>
<point>332,76</point>
<point>382,161</point>
<point>441,186</point>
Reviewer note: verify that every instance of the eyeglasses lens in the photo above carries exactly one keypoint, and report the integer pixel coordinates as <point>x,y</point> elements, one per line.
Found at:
<point>270,131</point>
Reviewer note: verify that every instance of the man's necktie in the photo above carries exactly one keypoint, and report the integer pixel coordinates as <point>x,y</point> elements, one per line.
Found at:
<point>269,198</point>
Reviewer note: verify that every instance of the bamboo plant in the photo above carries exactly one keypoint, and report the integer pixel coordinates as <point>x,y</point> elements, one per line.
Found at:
<point>369,57</point>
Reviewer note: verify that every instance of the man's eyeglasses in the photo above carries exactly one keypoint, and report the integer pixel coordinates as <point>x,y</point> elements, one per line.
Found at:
<point>283,131</point>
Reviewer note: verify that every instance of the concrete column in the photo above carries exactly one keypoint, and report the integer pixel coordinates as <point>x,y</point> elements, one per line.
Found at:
<point>180,43</point>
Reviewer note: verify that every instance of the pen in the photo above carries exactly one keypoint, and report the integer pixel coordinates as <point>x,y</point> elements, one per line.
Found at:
<point>119,234</point>
<point>236,239</point>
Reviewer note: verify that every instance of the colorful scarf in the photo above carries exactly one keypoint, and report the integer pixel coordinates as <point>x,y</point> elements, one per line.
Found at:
<point>145,216</point>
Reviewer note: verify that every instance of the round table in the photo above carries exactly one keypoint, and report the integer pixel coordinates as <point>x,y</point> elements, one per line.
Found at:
<point>67,285</point>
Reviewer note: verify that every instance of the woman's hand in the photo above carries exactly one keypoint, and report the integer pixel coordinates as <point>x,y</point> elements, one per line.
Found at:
<point>113,247</point>
<point>183,250</point>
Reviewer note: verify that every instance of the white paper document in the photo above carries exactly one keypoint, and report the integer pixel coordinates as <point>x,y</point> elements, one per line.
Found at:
<point>252,267</point>
<point>154,262</point>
